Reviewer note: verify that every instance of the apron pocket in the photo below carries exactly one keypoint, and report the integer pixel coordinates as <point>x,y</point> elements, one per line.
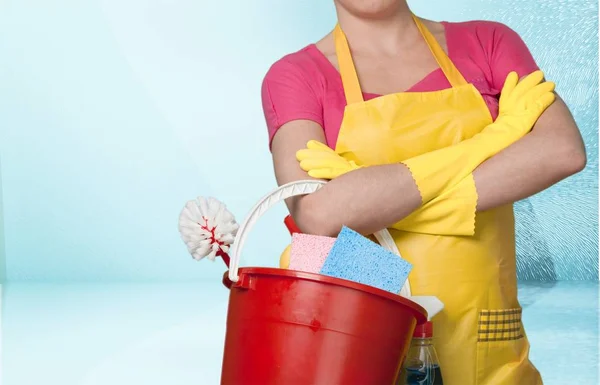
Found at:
<point>502,349</point>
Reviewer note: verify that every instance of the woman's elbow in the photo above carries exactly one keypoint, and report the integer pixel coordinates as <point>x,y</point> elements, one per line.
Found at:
<point>578,160</point>
<point>573,161</point>
<point>312,218</point>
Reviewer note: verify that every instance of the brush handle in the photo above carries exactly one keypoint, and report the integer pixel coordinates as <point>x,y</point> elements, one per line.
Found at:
<point>224,256</point>
<point>280,194</point>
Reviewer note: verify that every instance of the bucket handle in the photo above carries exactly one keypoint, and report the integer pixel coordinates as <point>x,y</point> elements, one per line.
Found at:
<point>284,192</point>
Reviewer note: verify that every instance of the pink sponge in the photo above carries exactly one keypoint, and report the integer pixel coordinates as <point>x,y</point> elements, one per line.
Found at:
<point>309,252</point>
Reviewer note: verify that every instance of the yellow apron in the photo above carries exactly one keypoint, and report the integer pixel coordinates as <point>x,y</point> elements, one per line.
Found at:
<point>479,335</point>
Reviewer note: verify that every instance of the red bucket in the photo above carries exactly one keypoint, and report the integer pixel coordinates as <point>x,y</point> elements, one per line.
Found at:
<point>287,327</point>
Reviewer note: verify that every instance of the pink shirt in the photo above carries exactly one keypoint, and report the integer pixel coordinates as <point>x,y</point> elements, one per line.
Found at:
<point>305,85</point>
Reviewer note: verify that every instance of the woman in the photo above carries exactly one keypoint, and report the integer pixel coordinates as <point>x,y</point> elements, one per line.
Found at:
<point>425,146</point>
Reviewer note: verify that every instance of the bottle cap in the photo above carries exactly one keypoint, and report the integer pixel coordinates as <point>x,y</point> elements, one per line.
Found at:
<point>424,330</point>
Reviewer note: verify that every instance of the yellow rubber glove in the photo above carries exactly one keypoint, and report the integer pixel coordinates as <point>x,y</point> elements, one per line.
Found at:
<point>452,212</point>
<point>521,104</point>
<point>322,162</point>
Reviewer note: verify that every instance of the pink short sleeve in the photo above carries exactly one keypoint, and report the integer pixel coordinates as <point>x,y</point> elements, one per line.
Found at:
<point>288,93</point>
<point>508,53</point>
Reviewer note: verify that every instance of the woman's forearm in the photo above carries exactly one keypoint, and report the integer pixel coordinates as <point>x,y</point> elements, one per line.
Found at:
<point>520,171</point>
<point>551,152</point>
<point>366,200</point>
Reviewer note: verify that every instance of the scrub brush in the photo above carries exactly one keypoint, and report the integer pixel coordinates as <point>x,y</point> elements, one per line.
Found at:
<point>207,228</point>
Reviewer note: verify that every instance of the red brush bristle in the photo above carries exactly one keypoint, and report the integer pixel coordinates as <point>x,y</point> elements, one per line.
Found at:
<point>213,240</point>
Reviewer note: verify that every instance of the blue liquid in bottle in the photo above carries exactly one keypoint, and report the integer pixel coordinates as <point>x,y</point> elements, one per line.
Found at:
<point>431,375</point>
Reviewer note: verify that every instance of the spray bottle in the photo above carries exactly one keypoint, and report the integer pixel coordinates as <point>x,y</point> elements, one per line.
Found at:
<point>421,366</point>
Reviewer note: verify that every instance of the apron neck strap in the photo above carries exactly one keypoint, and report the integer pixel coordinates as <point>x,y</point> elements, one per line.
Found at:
<point>452,74</point>
<point>347,69</point>
<point>349,76</point>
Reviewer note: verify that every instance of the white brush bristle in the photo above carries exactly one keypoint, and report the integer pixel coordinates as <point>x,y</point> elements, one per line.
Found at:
<point>206,226</point>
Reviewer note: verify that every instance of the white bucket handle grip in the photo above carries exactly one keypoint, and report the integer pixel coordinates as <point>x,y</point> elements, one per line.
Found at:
<point>282,193</point>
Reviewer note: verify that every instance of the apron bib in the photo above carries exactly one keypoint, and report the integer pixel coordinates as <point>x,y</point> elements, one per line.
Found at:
<point>479,335</point>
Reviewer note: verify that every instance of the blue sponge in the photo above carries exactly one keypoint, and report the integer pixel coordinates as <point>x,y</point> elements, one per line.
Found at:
<point>356,258</point>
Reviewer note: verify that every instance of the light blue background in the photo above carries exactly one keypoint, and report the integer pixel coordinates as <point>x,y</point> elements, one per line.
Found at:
<point>114,113</point>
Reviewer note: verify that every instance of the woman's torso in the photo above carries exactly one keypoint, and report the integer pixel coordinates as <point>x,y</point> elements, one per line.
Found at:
<point>462,46</point>
<point>473,276</point>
